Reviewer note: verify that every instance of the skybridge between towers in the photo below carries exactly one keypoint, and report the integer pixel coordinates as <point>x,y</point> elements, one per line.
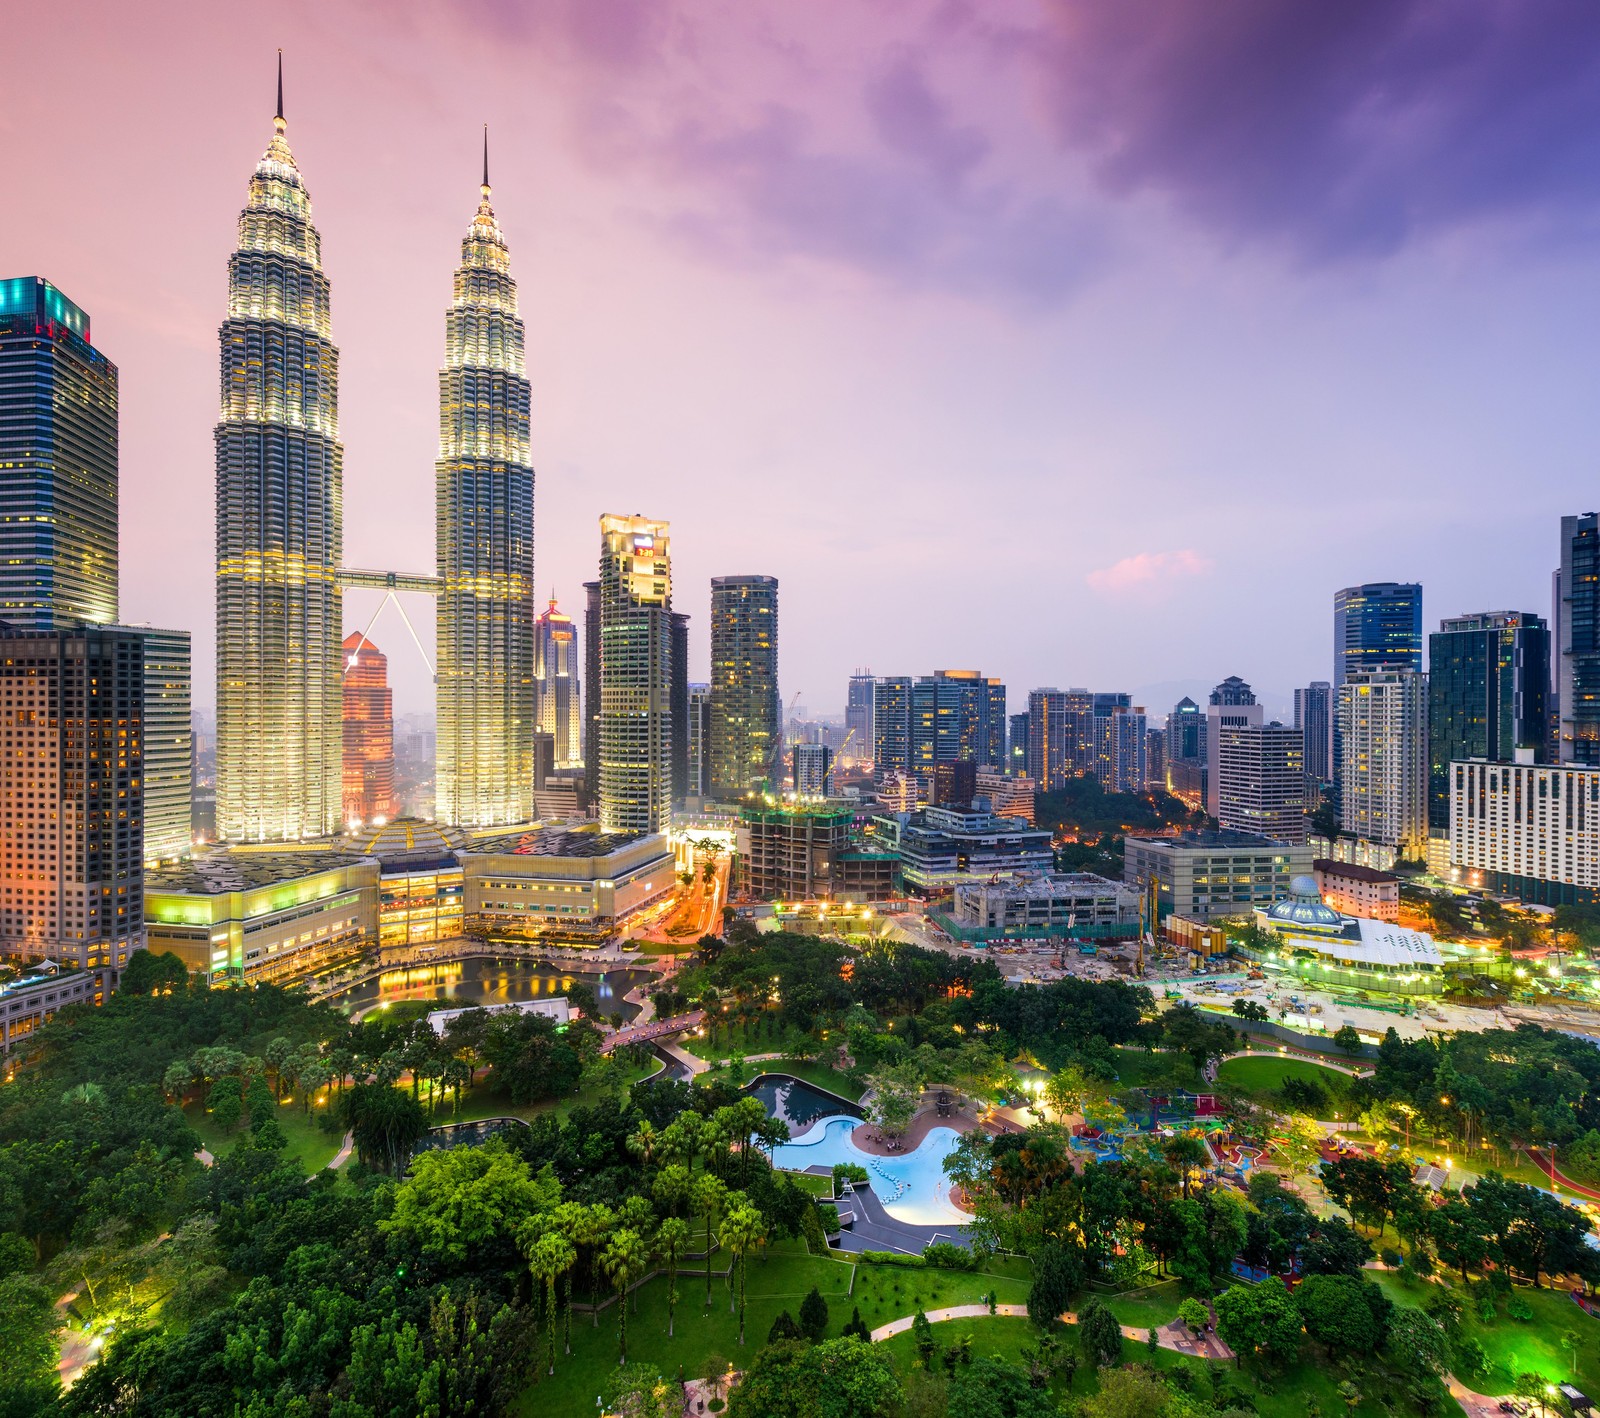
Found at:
<point>392,584</point>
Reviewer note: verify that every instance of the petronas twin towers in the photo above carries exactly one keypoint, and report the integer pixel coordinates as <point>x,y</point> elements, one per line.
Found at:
<point>280,531</point>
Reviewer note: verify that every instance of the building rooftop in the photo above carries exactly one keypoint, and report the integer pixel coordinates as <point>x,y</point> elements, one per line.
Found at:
<point>408,843</point>
<point>552,842</point>
<point>1220,837</point>
<point>1051,884</point>
<point>225,869</point>
<point>1352,872</point>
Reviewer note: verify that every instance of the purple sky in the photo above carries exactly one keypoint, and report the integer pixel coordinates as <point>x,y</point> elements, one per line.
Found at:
<point>1080,343</point>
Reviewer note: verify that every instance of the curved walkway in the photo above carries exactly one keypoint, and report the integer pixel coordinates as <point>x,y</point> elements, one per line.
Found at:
<point>1304,1056</point>
<point>1168,1336</point>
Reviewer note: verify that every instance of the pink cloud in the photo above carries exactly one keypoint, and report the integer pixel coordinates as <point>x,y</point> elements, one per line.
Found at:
<point>1150,570</point>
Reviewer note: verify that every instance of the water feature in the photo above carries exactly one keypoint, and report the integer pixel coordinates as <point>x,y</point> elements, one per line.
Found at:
<point>911,1185</point>
<point>479,980</point>
<point>797,1102</point>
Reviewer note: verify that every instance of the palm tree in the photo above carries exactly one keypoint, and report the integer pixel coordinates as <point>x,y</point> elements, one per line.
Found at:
<point>567,1218</point>
<point>672,1238</point>
<point>593,1225</point>
<point>642,1141</point>
<point>671,1186</point>
<point>552,1255</point>
<point>742,1228</point>
<point>706,1197</point>
<point>626,1259</point>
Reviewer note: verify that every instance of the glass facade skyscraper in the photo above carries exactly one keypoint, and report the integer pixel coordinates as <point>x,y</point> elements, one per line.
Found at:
<point>746,713</point>
<point>484,544</point>
<point>1577,608</point>
<point>1376,627</point>
<point>280,522</point>
<point>58,463</point>
<point>1488,684</point>
<point>555,668</point>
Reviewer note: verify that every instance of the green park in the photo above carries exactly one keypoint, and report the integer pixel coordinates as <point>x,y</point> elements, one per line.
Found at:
<point>240,1203</point>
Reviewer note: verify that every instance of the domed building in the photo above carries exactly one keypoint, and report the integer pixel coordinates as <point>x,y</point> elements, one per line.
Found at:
<point>1329,948</point>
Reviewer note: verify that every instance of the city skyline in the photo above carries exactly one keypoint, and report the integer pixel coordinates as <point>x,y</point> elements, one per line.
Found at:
<point>1093,391</point>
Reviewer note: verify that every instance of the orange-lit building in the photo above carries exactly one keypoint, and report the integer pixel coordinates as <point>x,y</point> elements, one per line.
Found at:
<point>368,733</point>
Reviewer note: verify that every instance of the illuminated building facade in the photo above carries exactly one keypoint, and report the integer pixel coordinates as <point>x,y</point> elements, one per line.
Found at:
<point>58,463</point>
<point>746,715</point>
<point>280,522</point>
<point>484,542</point>
<point>71,798</point>
<point>1577,640</point>
<point>168,744</point>
<point>1528,830</point>
<point>1383,770</point>
<point>555,670</point>
<point>635,712</point>
<point>699,740</point>
<point>368,733</point>
<point>251,916</point>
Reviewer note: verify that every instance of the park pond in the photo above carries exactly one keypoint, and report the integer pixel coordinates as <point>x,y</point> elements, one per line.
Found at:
<point>481,981</point>
<point>911,1185</point>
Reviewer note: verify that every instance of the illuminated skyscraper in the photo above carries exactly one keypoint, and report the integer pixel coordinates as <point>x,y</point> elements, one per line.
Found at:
<point>555,670</point>
<point>168,745</point>
<point>635,729</point>
<point>280,521</point>
<point>58,463</point>
<point>746,725</point>
<point>484,538</point>
<point>368,733</point>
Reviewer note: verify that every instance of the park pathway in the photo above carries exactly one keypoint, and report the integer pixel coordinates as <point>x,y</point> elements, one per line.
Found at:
<point>1321,1060</point>
<point>1174,1336</point>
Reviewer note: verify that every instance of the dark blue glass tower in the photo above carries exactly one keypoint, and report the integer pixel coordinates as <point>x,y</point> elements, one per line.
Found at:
<point>1376,627</point>
<point>58,463</point>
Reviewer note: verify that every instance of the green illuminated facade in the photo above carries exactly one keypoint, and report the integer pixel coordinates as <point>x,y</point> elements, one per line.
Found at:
<point>280,523</point>
<point>484,540</point>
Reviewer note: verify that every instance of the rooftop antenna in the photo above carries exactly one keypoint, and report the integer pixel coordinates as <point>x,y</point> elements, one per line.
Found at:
<point>279,114</point>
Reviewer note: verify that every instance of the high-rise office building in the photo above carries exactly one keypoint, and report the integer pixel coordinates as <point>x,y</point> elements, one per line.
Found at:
<point>1313,716</point>
<point>368,733</point>
<point>58,463</point>
<point>168,740</point>
<point>1261,780</point>
<point>556,682</point>
<point>635,728</point>
<point>699,740</point>
<point>1377,627</point>
<point>591,690</point>
<point>891,725</point>
<point>1488,687</point>
<point>858,714</point>
<point>72,814</point>
<point>1186,732</point>
<point>746,713</point>
<point>1155,753</point>
<point>991,747</point>
<point>946,719</point>
<point>1232,705</point>
<point>484,543</point>
<point>812,764</point>
<point>1383,743</point>
<point>280,522</point>
<point>1577,613</point>
<point>678,704</point>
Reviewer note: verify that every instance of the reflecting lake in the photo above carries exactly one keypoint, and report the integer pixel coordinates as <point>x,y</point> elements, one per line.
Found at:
<point>464,983</point>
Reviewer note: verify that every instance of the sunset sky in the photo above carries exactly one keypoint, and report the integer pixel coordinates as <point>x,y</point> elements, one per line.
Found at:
<point>1081,343</point>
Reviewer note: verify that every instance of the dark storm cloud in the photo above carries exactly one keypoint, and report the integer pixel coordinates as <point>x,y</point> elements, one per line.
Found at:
<point>1340,129</point>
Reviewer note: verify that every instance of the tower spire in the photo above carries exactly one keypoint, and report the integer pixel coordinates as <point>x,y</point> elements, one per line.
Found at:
<point>279,114</point>
<point>485,157</point>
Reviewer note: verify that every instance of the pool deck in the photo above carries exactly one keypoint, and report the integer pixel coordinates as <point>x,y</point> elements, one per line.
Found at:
<point>876,1230</point>
<point>868,1139</point>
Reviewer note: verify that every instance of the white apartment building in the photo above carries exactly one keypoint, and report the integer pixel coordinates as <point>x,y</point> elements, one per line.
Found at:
<point>1532,830</point>
<point>1261,780</point>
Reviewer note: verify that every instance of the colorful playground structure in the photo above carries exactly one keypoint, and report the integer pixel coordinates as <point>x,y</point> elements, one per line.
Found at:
<point>1167,1115</point>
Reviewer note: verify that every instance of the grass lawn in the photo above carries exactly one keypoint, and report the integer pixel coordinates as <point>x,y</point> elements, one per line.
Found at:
<point>308,1143</point>
<point>1153,1305</point>
<point>486,1102</point>
<point>726,1039</point>
<point>889,1292</point>
<point>1259,1078</point>
<point>1136,1068</point>
<point>778,1283</point>
<point>817,1186</point>
<point>821,1074</point>
<point>1518,1346</point>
